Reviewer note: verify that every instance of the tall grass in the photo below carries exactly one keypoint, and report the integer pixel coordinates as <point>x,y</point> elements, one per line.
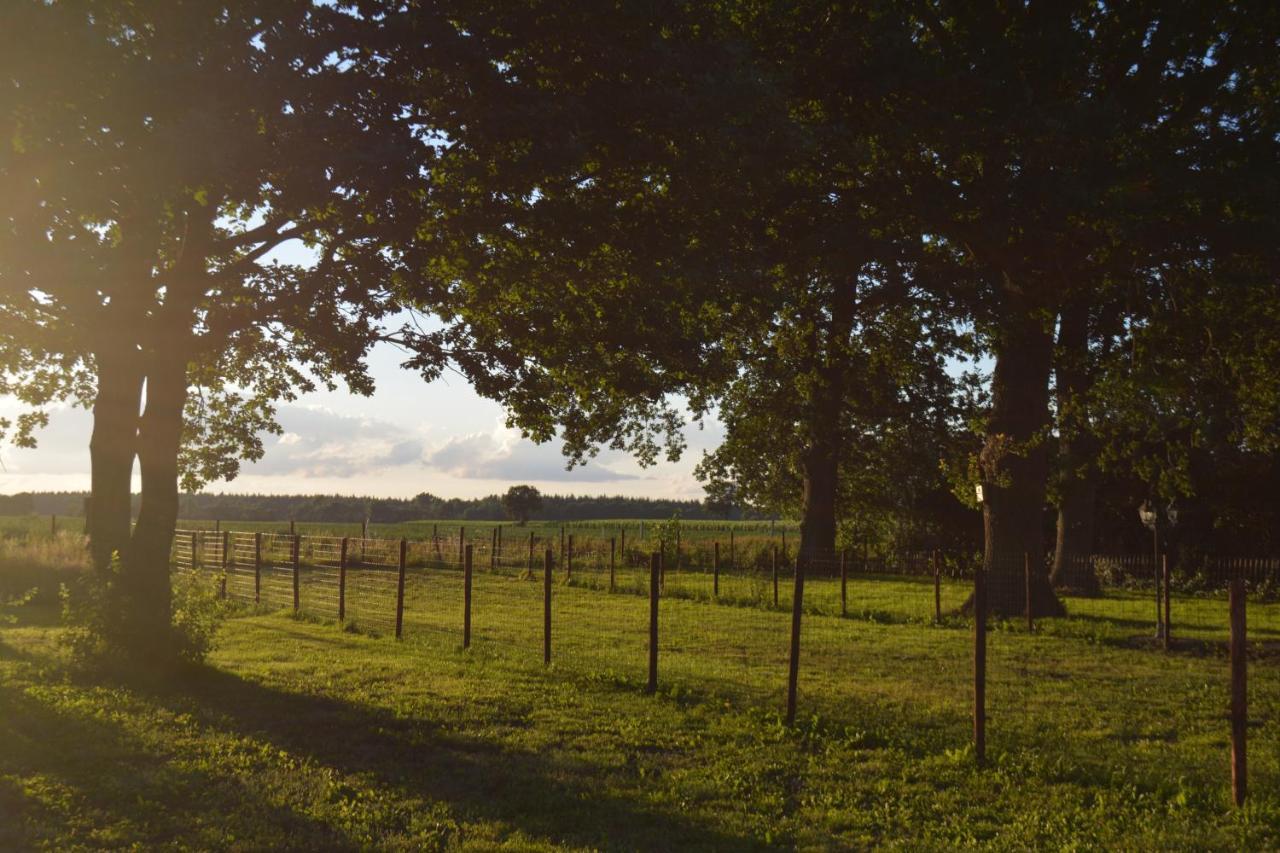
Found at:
<point>38,565</point>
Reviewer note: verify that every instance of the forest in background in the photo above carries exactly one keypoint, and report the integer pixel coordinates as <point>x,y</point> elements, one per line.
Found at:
<point>386,510</point>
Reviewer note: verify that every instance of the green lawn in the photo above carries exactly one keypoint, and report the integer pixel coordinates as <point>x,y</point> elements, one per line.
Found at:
<point>298,734</point>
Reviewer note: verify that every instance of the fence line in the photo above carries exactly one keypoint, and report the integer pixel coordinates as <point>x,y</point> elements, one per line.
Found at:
<point>489,591</point>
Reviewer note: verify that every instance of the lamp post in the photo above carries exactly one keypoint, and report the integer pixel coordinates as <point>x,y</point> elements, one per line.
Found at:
<point>1149,515</point>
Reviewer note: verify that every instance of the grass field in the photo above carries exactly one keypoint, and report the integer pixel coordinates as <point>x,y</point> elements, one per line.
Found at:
<point>298,734</point>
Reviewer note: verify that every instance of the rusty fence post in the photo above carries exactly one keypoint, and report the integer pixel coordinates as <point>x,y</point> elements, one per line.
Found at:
<point>342,580</point>
<point>793,671</point>
<point>546,607</point>
<point>466,600</point>
<point>1239,694</point>
<point>404,548</point>
<point>980,667</point>
<point>655,570</point>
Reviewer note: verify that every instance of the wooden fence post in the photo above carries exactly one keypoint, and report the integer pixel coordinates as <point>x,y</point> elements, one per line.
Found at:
<point>1026,572</point>
<point>342,580</point>
<point>217,525</point>
<point>655,570</point>
<point>775,575</point>
<point>568,566</point>
<point>979,667</point>
<point>404,548</point>
<point>257,568</point>
<point>1239,694</point>
<point>466,600</point>
<point>1168,626</point>
<point>546,607</point>
<point>292,532</point>
<point>493,549</point>
<point>715,569</point>
<point>613,559</point>
<point>226,558</point>
<point>195,550</point>
<point>844,582</point>
<point>462,541</point>
<point>296,556</point>
<point>937,588</point>
<point>793,672</point>
<point>53,525</point>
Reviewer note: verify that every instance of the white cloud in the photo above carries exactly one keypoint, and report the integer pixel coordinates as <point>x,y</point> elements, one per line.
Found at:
<point>504,455</point>
<point>319,443</point>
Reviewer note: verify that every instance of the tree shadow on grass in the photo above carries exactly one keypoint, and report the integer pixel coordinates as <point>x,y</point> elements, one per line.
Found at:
<point>556,798</point>
<point>68,777</point>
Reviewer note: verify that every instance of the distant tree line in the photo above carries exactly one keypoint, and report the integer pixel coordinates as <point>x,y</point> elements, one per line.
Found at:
<point>337,508</point>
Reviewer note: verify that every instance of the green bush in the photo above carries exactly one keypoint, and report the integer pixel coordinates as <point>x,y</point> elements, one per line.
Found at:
<point>95,633</point>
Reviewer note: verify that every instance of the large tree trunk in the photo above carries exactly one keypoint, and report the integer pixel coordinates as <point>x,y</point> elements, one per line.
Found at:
<point>1077,471</point>
<point>820,463</point>
<point>146,568</point>
<point>1014,465</point>
<point>112,448</point>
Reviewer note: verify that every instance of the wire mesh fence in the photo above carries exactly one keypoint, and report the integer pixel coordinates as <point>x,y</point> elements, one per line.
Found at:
<point>889,646</point>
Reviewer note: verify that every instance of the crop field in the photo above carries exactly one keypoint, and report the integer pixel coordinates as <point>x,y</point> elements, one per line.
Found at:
<point>301,734</point>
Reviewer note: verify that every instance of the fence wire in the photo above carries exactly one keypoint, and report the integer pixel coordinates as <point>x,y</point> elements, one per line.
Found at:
<point>887,643</point>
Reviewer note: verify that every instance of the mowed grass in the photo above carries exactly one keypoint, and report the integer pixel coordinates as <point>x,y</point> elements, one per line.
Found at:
<point>300,735</point>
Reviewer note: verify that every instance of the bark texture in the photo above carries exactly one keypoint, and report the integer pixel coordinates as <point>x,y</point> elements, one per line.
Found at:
<point>1014,463</point>
<point>1077,456</point>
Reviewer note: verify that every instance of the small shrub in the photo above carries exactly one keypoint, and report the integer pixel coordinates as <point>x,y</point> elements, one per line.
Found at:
<point>93,618</point>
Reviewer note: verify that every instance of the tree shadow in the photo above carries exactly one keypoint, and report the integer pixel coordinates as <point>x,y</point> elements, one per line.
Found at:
<point>557,798</point>
<point>90,782</point>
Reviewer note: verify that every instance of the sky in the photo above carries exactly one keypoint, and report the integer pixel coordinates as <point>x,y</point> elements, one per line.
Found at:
<point>409,437</point>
